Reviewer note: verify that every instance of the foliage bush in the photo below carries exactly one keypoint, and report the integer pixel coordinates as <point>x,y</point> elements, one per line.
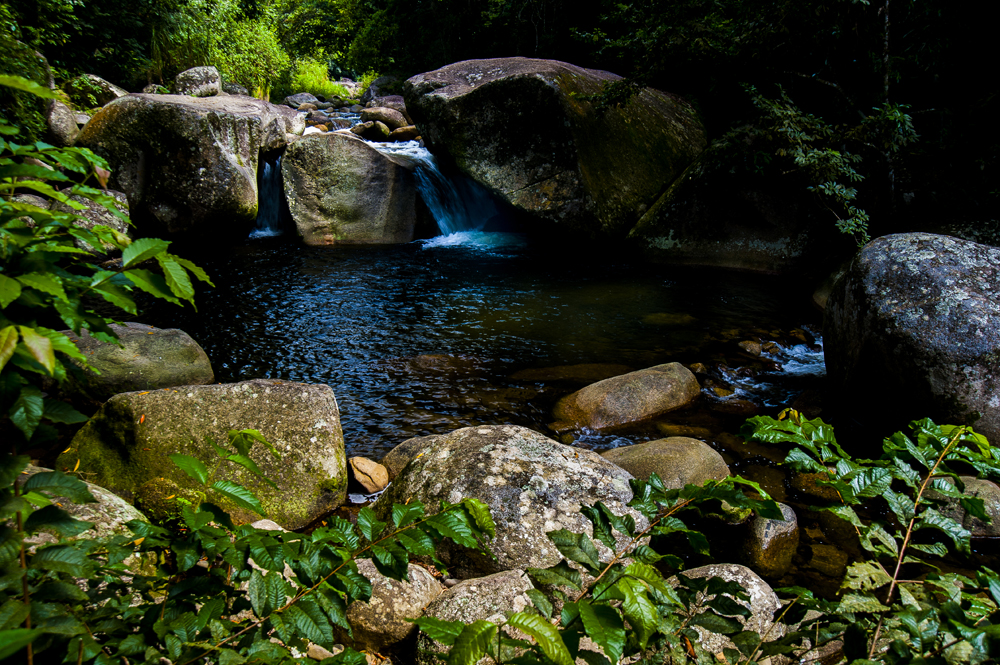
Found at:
<point>312,76</point>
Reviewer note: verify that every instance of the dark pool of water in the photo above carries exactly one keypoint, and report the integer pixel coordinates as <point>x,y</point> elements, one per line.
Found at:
<point>423,338</point>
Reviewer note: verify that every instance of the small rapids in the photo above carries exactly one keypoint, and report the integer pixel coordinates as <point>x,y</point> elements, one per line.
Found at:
<point>269,201</point>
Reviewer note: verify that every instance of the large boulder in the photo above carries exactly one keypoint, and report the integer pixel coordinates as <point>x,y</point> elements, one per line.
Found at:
<point>61,123</point>
<point>914,328</point>
<point>129,441</point>
<point>531,484</point>
<point>146,358</point>
<point>340,190</point>
<point>384,619</point>
<point>188,163</point>
<point>523,128</point>
<point>198,82</point>
<point>677,460</point>
<point>629,398</point>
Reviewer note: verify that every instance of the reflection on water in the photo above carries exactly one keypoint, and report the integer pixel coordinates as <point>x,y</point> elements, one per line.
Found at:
<point>423,338</point>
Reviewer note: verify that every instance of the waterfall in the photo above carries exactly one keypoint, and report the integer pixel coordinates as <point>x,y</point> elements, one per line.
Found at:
<point>269,200</point>
<point>457,203</point>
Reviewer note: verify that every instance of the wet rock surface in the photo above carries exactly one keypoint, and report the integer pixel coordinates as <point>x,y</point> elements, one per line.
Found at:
<point>532,485</point>
<point>678,461</point>
<point>130,439</point>
<point>914,326</point>
<point>591,172</point>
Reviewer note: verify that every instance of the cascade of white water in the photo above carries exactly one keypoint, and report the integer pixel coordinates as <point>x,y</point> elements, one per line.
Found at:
<point>269,201</point>
<point>457,203</point>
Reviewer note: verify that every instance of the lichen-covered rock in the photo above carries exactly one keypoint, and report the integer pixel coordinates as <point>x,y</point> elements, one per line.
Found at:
<point>109,514</point>
<point>524,129</point>
<point>340,190</point>
<point>198,82</point>
<point>677,460</point>
<point>93,214</point>
<point>762,605</point>
<point>770,544</point>
<point>188,163</point>
<point>491,598</point>
<point>231,88</point>
<point>394,102</point>
<point>148,359</point>
<point>531,484</point>
<point>297,100</point>
<point>629,398</point>
<point>381,621</point>
<point>914,327</point>
<point>130,439</point>
<point>378,88</point>
<point>396,459</point>
<point>391,118</point>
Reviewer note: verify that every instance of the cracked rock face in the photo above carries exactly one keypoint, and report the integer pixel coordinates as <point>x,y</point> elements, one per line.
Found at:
<point>130,439</point>
<point>532,485</point>
<point>520,127</point>
<point>914,327</point>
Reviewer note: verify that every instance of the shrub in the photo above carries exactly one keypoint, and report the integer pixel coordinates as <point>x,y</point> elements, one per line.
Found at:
<point>312,76</point>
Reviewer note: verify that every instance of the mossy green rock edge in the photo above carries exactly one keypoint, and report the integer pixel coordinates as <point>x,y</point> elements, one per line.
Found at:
<point>130,439</point>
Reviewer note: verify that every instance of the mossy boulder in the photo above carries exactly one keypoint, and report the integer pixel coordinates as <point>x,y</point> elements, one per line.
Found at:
<point>340,190</point>
<point>524,128</point>
<point>914,327</point>
<point>147,358</point>
<point>129,441</point>
<point>188,163</point>
<point>629,398</point>
<point>531,484</point>
<point>198,82</point>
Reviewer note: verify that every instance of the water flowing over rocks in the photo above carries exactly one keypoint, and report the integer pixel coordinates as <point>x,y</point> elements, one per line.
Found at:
<point>147,358</point>
<point>340,190</point>
<point>629,398</point>
<point>381,621</point>
<point>532,485</point>
<point>130,438</point>
<point>198,82</point>
<point>914,328</point>
<point>677,460</point>
<point>187,163</point>
<point>519,127</point>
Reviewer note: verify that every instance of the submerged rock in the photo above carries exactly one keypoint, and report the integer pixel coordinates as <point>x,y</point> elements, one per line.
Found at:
<point>340,190</point>
<point>678,461</point>
<point>187,163</point>
<point>629,398</point>
<point>148,358</point>
<point>130,439</point>
<point>523,128</point>
<point>914,328</point>
<point>532,485</point>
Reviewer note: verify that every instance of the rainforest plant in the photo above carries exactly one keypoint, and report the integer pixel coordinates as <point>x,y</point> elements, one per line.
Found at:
<point>47,279</point>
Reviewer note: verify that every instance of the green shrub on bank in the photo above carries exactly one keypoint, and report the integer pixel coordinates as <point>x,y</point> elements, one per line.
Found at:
<point>312,76</point>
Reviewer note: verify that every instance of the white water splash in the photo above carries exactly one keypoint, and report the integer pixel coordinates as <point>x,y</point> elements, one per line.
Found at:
<point>478,240</point>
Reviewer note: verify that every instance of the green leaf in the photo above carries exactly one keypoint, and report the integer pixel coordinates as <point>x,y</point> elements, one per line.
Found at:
<point>540,602</point>
<point>605,627</point>
<point>61,558</point>
<point>29,86</point>
<point>416,542</point>
<point>59,484</point>
<point>26,413</point>
<point>473,643</point>
<point>177,278</point>
<point>309,621</point>
<point>12,641</point>
<point>142,249</point>
<point>368,524</point>
<point>251,466</point>
<point>8,341</point>
<point>480,512</point>
<point>192,466</point>
<point>44,282</point>
<point>561,574</point>
<point>639,610</point>
<point>55,518</point>
<point>439,630</point>
<point>152,284</point>
<point>403,514</point>
<point>10,289</point>
<point>455,525</point>
<point>117,295</point>
<point>267,592</point>
<point>860,602</point>
<point>239,495</point>
<point>545,634</point>
<point>40,348</point>
<point>577,547</point>
<point>61,412</point>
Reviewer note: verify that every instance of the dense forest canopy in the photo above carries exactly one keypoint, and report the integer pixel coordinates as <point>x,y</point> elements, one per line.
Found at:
<point>871,104</point>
